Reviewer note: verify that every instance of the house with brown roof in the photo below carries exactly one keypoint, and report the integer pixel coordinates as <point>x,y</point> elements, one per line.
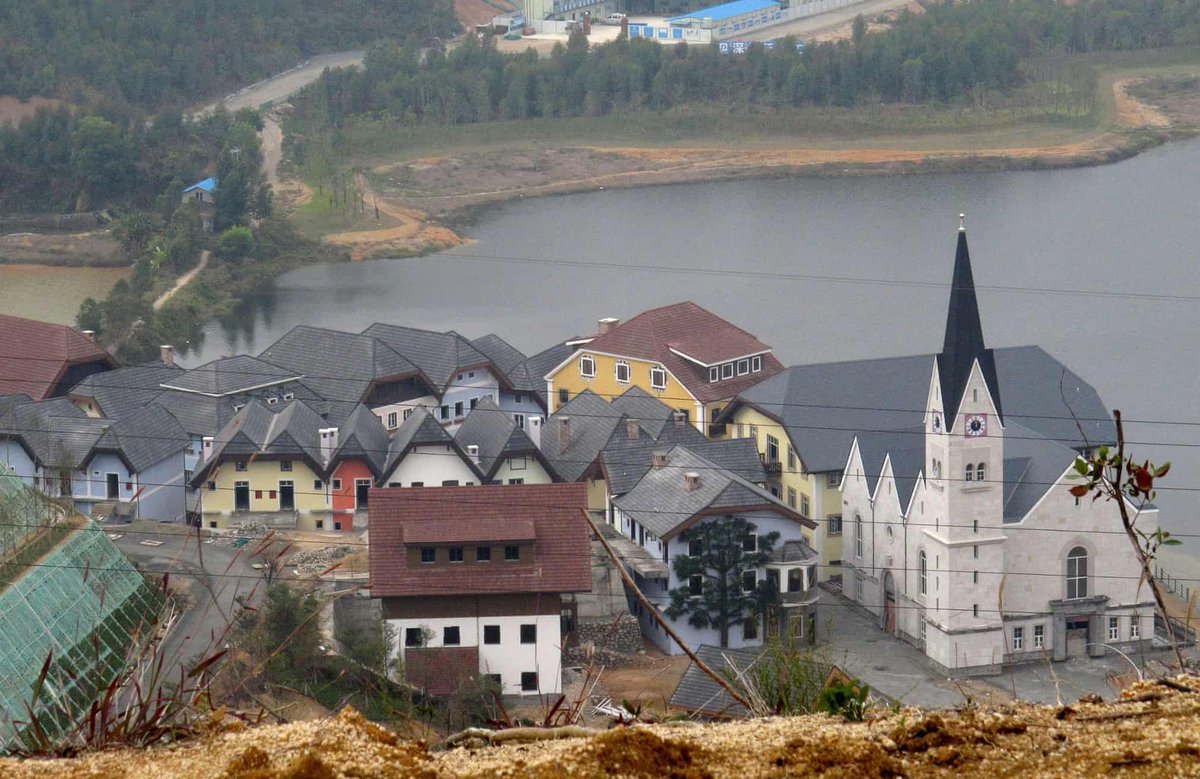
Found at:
<point>686,356</point>
<point>474,581</point>
<point>44,360</point>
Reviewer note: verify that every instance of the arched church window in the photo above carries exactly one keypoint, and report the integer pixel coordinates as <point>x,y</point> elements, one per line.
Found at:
<point>923,571</point>
<point>858,537</point>
<point>970,472</point>
<point>1077,573</point>
<point>979,472</point>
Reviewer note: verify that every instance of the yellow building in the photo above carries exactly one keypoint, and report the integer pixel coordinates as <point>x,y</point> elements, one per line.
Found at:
<point>267,464</point>
<point>689,358</point>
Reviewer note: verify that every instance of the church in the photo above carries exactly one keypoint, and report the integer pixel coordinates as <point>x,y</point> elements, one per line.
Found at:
<point>961,535</point>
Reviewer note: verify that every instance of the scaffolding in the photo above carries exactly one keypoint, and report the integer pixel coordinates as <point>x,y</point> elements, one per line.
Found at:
<point>67,593</point>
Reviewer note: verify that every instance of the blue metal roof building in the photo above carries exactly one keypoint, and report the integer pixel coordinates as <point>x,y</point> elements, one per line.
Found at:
<point>726,13</point>
<point>208,185</point>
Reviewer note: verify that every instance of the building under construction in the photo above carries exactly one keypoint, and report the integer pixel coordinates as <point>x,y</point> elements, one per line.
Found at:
<point>68,594</point>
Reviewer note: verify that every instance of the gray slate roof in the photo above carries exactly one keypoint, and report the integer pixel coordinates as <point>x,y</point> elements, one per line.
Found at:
<point>1032,463</point>
<point>362,436</point>
<point>496,435</point>
<point>907,450</point>
<point>145,439</point>
<point>530,375</point>
<point>627,460</point>
<point>420,429</point>
<point>592,421</point>
<point>503,355</point>
<point>648,410</point>
<point>124,391</point>
<point>661,503</point>
<point>230,376</point>
<point>824,406</point>
<point>438,355</point>
<point>793,550</point>
<point>289,430</point>
<point>698,692</point>
<point>55,432</point>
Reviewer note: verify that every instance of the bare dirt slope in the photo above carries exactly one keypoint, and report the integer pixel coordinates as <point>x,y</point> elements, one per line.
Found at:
<point>1152,731</point>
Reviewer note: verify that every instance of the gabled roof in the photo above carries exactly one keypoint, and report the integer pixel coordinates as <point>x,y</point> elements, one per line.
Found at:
<point>362,436</point>
<point>439,355</point>
<point>124,391</point>
<point>448,515</point>
<point>497,436</point>
<point>906,448</point>
<point>529,375</point>
<point>144,439</point>
<point>55,432</point>
<point>503,355</point>
<point>339,367</point>
<point>698,692</point>
<point>421,429</point>
<point>1032,465</point>
<point>686,339</point>
<point>650,412</point>
<point>963,344</point>
<point>289,430</point>
<point>208,185</point>
<point>824,406</point>
<point>663,505</point>
<point>35,355</point>
<point>592,421</point>
<point>230,376</point>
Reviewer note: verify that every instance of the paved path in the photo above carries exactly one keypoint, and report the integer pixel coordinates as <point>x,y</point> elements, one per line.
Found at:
<point>182,281</point>
<point>285,84</point>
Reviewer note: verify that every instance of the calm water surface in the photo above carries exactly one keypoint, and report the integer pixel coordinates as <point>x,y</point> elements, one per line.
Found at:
<point>830,269</point>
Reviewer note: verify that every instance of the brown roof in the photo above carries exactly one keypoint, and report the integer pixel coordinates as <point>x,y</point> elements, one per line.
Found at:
<point>34,355</point>
<point>561,556</point>
<point>693,331</point>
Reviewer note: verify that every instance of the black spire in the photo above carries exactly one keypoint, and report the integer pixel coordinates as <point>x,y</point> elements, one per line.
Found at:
<point>963,344</point>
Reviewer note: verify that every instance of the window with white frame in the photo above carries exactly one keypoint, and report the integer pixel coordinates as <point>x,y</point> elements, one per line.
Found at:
<point>520,420</point>
<point>833,479</point>
<point>622,372</point>
<point>804,506</point>
<point>587,366</point>
<point>980,472</point>
<point>791,498</point>
<point>791,458</point>
<point>1077,573</point>
<point>756,364</point>
<point>858,588</point>
<point>1039,636</point>
<point>727,371</point>
<point>969,474</point>
<point>658,378</point>
<point>1135,629</point>
<point>858,537</point>
<point>921,630</point>
<point>1114,628</point>
<point>391,419</point>
<point>1018,639</point>
<point>835,524</point>
<point>749,581</point>
<point>743,367</point>
<point>923,572</point>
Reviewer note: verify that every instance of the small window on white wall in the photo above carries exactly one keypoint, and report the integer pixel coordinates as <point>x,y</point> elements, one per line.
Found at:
<point>587,366</point>
<point>623,372</point>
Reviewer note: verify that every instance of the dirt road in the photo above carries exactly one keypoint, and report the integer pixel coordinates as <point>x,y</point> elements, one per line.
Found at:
<point>285,84</point>
<point>182,281</point>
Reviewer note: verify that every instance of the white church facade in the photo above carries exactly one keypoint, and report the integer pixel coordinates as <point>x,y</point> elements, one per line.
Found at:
<point>961,535</point>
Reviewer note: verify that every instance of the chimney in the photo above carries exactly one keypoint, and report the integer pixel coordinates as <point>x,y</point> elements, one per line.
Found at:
<point>691,481</point>
<point>680,418</point>
<point>88,334</point>
<point>206,446</point>
<point>632,429</point>
<point>607,325</point>
<point>473,453</point>
<point>564,434</point>
<point>329,443</point>
<point>166,353</point>
<point>660,459</point>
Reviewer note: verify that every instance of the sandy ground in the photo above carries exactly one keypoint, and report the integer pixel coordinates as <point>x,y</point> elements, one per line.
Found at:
<point>1152,731</point>
<point>1131,112</point>
<point>13,110</point>
<point>182,281</point>
<point>650,680</point>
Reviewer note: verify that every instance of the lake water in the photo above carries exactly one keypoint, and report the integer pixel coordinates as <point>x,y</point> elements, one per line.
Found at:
<point>831,269</point>
<point>53,294</point>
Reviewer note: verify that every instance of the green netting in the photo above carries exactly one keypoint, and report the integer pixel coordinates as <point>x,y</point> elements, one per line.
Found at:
<point>71,595</point>
<point>23,512</point>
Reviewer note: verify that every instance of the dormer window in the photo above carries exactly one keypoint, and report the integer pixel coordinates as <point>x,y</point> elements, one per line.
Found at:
<point>756,364</point>
<point>743,367</point>
<point>289,396</point>
<point>622,372</point>
<point>658,378</point>
<point>727,371</point>
<point>272,400</point>
<point>714,374</point>
<point>587,366</point>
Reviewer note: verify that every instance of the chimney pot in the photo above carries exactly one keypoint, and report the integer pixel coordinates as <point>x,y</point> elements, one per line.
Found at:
<point>564,434</point>
<point>660,459</point>
<point>691,481</point>
<point>166,353</point>
<point>473,453</point>
<point>632,429</point>
<point>680,419</point>
<point>607,325</point>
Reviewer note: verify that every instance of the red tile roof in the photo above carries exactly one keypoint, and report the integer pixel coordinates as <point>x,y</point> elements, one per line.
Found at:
<point>696,332</point>
<point>470,530</point>
<point>34,355</point>
<point>561,555</point>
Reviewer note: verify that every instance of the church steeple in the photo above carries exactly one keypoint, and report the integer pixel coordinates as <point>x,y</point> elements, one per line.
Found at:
<point>963,343</point>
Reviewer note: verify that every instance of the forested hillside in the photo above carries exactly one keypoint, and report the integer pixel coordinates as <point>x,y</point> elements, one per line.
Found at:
<point>952,52</point>
<point>151,53</point>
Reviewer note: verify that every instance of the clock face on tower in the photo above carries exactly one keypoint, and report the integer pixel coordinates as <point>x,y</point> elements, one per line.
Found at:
<point>976,426</point>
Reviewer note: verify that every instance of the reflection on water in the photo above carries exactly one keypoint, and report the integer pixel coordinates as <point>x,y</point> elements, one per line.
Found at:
<point>53,294</point>
<point>828,269</point>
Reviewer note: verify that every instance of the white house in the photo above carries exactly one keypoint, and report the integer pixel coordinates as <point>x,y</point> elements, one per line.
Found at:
<point>961,533</point>
<point>474,582</point>
<point>422,454</point>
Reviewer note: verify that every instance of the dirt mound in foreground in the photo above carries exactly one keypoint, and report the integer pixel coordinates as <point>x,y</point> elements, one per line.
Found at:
<point>1152,731</point>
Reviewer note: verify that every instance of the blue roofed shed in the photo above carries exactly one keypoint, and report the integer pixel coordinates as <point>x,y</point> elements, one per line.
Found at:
<point>742,13</point>
<point>203,192</point>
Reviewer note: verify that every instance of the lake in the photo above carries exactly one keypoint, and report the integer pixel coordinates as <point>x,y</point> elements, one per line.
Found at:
<point>1096,265</point>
